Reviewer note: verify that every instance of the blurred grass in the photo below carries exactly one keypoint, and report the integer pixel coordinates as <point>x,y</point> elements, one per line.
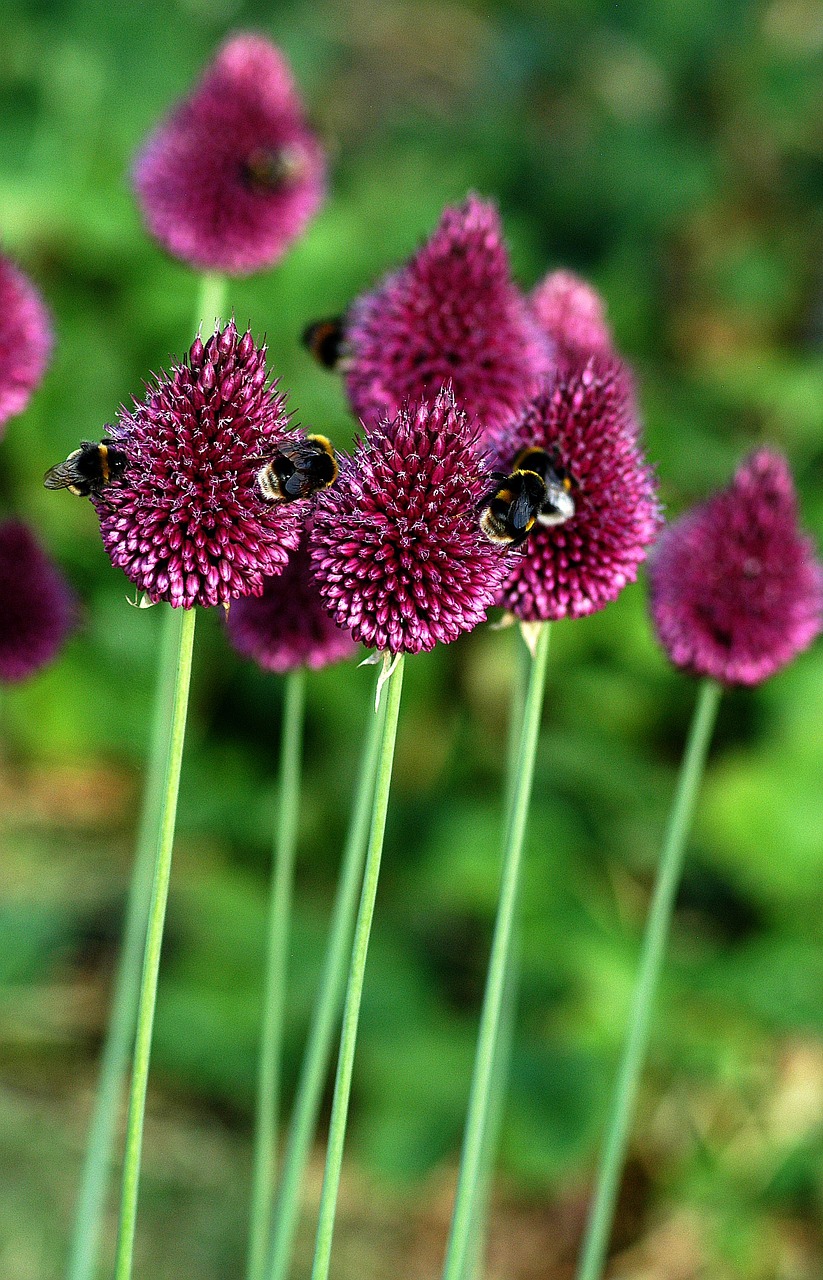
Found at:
<point>673,155</point>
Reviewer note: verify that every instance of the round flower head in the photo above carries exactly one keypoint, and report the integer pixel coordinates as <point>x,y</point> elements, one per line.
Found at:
<point>736,591</point>
<point>187,520</point>
<point>572,314</point>
<point>584,420</point>
<point>450,316</point>
<point>233,176</point>
<point>288,626</point>
<point>396,546</point>
<point>38,605</point>
<point>25,340</point>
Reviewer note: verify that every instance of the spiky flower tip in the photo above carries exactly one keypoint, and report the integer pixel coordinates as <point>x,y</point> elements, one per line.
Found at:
<point>234,174</point>
<point>585,420</point>
<point>25,340</point>
<point>396,546</point>
<point>572,314</point>
<point>38,604</point>
<point>188,522</point>
<point>288,626</point>
<point>450,316</point>
<point>736,591</point>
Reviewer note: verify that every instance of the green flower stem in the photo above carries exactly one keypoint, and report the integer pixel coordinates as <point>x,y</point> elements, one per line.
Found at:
<point>601,1214</point>
<point>478,1235</point>
<point>85,1242</point>
<point>151,963</point>
<point>470,1174</point>
<point>354,990</point>
<point>326,1012</point>
<point>274,994</point>
<point>211,301</point>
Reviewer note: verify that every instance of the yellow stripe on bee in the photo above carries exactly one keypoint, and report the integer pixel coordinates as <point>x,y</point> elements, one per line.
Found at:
<point>104,461</point>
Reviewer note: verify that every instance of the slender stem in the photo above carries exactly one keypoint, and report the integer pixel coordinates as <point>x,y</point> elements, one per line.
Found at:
<point>478,1236</point>
<point>85,1243</point>
<point>274,993</point>
<point>211,300</point>
<point>354,990</point>
<point>601,1214</point>
<point>326,1012</point>
<point>479,1099</point>
<point>151,962</point>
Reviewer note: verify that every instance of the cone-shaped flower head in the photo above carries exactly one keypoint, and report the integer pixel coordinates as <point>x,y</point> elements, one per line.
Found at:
<point>396,547</point>
<point>572,314</point>
<point>187,522</point>
<point>25,340</point>
<point>450,316</point>
<point>38,605</point>
<point>288,626</point>
<point>585,420</point>
<point>233,175</point>
<point>736,591</point>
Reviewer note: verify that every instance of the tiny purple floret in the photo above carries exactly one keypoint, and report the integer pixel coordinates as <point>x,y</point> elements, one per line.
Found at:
<point>25,340</point>
<point>288,626</point>
<point>396,548</point>
<point>585,419</point>
<point>187,522</point>
<point>38,605</point>
<point>450,317</point>
<point>736,591</point>
<point>234,174</point>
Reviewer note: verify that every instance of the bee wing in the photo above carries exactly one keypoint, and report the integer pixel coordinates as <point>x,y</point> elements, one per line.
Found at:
<point>61,476</point>
<point>522,513</point>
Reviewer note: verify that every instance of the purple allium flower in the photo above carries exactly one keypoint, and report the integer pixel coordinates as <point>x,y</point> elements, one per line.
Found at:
<point>38,605</point>
<point>288,625</point>
<point>234,174</point>
<point>585,419</point>
<point>188,522</point>
<point>25,340</point>
<point>396,547</point>
<point>736,591</point>
<point>450,316</point>
<point>572,314</point>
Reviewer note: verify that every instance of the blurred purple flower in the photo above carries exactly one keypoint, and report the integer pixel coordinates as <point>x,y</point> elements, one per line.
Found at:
<point>572,314</point>
<point>25,340</point>
<point>288,626</point>
<point>584,419</point>
<point>38,604</point>
<point>450,317</point>
<point>234,174</point>
<point>736,591</point>
<point>187,522</point>
<point>396,547</point>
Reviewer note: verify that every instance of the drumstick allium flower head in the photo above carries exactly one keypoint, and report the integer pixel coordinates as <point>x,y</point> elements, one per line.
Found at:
<point>450,316</point>
<point>585,420</point>
<point>234,174</point>
<point>572,314</point>
<point>736,591</point>
<point>38,604</point>
<point>187,522</point>
<point>288,626</point>
<point>396,546</point>
<point>25,340</point>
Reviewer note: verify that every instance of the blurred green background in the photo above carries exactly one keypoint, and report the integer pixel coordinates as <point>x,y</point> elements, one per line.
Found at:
<point>673,154</point>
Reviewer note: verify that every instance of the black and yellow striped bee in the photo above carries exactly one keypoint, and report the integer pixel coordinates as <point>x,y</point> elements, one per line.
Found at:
<point>326,341</point>
<point>298,470</point>
<point>558,505</point>
<point>508,514</point>
<point>88,469</point>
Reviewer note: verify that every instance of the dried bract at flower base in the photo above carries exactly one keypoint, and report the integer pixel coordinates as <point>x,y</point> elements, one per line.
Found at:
<point>187,521</point>
<point>736,591</point>
<point>234,175</point>
<point>397,548</point>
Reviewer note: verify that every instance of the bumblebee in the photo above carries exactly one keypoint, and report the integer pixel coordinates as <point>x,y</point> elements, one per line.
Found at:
<point>270,169</point>
<point>326,341</point>
<point>88,469</point>
<point>558,505</point>
<point>509,513</point>
<point>298,470</point>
